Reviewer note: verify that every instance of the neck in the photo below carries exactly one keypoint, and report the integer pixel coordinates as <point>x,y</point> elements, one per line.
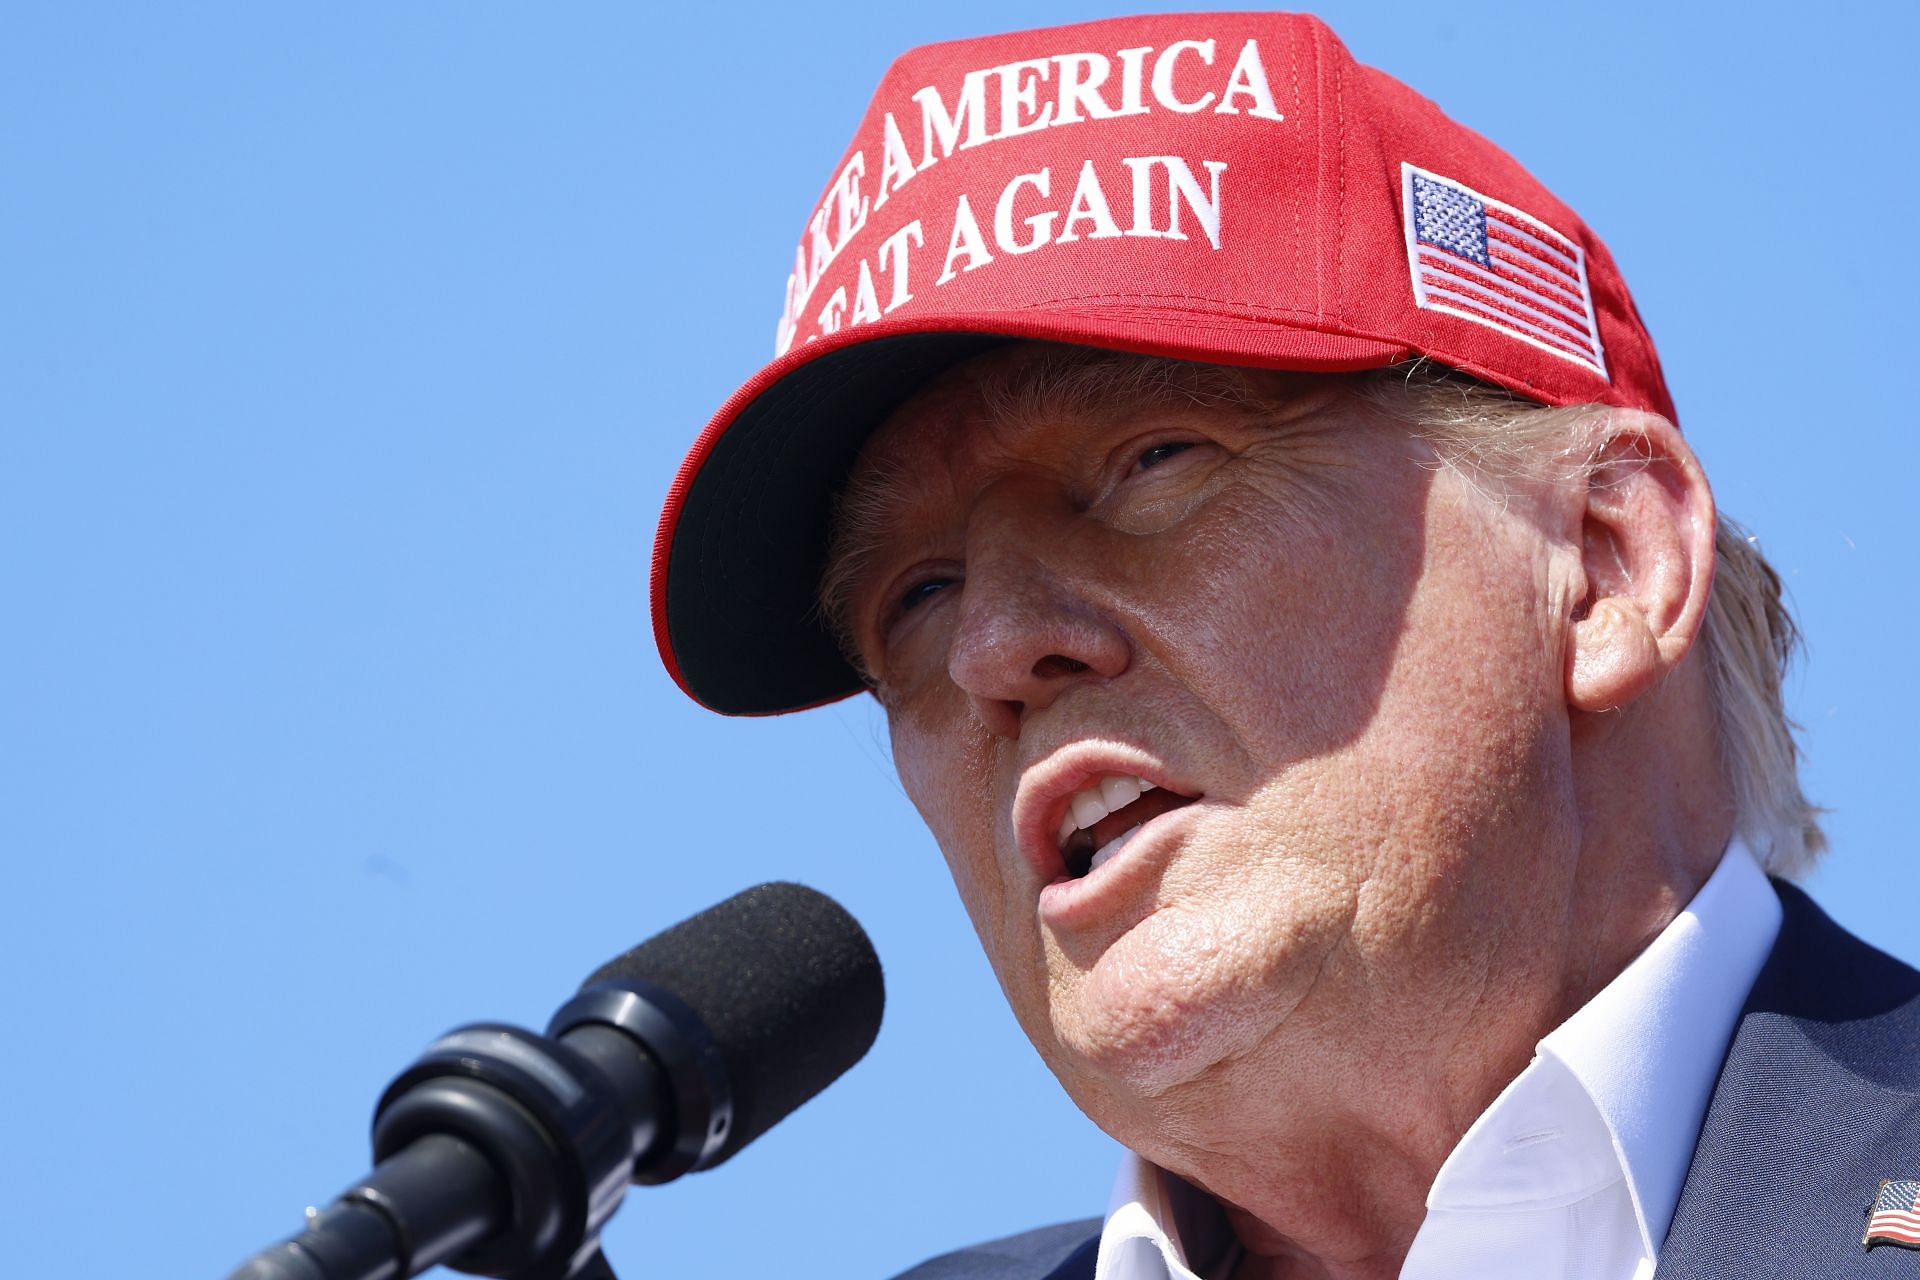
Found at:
<point>1322,1142</point>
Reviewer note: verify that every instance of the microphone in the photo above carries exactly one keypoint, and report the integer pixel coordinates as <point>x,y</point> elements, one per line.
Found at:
<point>503,1153</point>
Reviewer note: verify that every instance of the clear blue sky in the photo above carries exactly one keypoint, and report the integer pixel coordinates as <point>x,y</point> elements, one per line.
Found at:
<point>346,352</point>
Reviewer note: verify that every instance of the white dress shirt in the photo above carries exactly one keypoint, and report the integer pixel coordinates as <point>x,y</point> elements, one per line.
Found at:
<point>1574,1171</point>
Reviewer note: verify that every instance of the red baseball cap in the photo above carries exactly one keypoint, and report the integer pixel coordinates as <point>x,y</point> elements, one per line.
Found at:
<point>1231,188</point>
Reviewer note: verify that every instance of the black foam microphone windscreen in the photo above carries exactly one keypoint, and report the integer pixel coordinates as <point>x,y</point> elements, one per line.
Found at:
<point>785,981</point>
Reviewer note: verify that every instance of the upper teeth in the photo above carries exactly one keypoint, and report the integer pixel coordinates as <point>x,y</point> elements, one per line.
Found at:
<point>1090,804</point>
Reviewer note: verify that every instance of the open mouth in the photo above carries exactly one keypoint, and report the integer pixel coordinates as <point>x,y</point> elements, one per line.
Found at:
<point>1101,818</point>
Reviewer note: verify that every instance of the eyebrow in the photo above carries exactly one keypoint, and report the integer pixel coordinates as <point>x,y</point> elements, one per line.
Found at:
<point>1064,382</point>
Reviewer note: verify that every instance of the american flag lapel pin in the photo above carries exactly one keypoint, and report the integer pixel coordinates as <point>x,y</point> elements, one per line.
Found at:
<point>1894,1215</point>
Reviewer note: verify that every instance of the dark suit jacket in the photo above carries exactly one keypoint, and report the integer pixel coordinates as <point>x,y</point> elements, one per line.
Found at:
<point>1817,1101</point>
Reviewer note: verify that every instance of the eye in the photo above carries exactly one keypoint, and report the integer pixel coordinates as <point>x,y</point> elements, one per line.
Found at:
<point>1159,453</point>
<point>922,591</point>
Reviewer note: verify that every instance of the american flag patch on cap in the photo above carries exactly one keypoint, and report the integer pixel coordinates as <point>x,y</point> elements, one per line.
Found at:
<point>1894,1217</point>
<point>1485,261</point>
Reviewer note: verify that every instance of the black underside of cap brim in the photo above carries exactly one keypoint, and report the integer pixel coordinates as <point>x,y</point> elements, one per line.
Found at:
<point>750,543</point>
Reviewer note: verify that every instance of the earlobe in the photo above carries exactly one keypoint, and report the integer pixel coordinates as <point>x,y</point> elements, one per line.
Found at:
<point>1647,534</point>
<point>1615,656</point>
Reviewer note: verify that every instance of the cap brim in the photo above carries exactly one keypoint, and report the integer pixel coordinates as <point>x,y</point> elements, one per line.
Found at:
<point>740,549</point>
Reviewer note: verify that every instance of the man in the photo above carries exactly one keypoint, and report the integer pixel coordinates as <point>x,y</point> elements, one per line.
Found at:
<point>1357,740</point>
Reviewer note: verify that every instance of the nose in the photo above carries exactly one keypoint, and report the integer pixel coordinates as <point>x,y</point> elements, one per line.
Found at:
<point>1030,624</point>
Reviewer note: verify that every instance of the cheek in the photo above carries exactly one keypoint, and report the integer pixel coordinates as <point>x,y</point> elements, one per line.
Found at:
<point>1474,718</point>
<point>1290,632</point>
<point>949,777</point>
<point>1410,776</point>
<point>1479,661</point>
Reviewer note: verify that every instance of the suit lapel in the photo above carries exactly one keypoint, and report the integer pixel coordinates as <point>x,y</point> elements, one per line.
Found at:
<point>1819,1099</point>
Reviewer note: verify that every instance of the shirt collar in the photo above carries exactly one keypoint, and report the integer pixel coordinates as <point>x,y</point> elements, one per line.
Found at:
<point>1619,1089</point>
<point>1647,1049</point>
<point>1160,1227</point>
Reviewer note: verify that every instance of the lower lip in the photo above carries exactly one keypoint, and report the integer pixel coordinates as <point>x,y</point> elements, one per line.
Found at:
<point>1067,902</point>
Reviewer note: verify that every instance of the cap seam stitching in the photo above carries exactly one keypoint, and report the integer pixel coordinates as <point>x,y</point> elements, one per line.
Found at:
<point>1340,199</point>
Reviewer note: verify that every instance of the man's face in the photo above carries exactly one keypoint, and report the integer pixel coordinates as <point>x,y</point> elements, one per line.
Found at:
<point>1331,657</point>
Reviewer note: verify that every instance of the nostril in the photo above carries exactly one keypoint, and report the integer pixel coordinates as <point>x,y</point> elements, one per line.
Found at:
<point>1056,665</point>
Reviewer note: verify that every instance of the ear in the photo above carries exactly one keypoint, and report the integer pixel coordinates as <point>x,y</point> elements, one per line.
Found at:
<point>1647,539</point>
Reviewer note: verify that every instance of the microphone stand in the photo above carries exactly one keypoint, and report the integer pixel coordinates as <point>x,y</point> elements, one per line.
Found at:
<point>503,1153</point>
<point>422,1207</point>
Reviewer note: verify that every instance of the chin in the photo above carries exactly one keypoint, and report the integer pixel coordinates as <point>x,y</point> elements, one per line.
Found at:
<point>1143,1030</point>
<point>1195,987</point>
